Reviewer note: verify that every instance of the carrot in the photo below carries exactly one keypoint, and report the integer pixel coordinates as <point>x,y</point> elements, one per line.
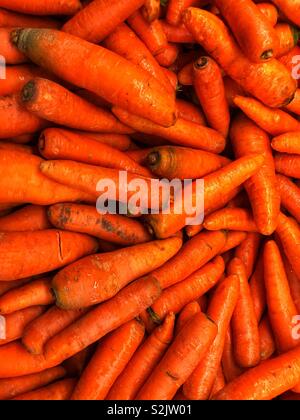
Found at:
<point>168,55</point>
<point>151,10</point>
<point>108,316</point>
<point>267,342</point>
<point>112,356</point>
<point>290,9</point>
<point>49,48</point>
<point>59,391</point>
<point>12,387</point>
<point>171,76</point>
<point>290,196</point>
<point>5,286</point>
<point>45,7</point>
<point>248,251</point>
<point>219,188</point>
<point>231,219</point>
<point>24,148</point>
<point>47,326</point>
<point>25,219</point>
<point>178,34</point>
<point>100,277</point>
<point>11,19</point>
<point>193,230</point>
<point>186,314</point>
<point>293,282</point>
<point>23,139</point>
<point>266,381</point>
<point>257,288</point>
<point>219,382</point>
<point>287,143</point>
<point>22,182</point>
<point>269,81</point>
<point>180,360</point>
<point>175,10</point>
<point>174,162</point>
<point>143,362</point>
<point>288,37</point>
<point>190,112</point>
<point>11,54</point>
<point>123,41</point>
<point>220,310</point>
<point>186,75</point>
<point>16,322</point>
<point>261,188</point>
<point>85,219</point>
<point>269,11</point>
<point>287,164</point>
<point>183,133</point>
<point>233,240</point>
<point>230,368</point>
<point>139,155</point>
<point>294,105</point>
<point>24,254</point>
<point>244,323</point>
<point>210,90</point>
<point>232,89</point>
<point>287,59</point>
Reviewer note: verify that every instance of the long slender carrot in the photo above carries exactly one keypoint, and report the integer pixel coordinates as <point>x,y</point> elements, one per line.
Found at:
<point>287,164</point>
<point>210,90</point>
<point>85,219</point>
<point>180,360</point>
<point>7,50</point>
<point>28,218</point>
<point>45,7</point>
<point>143,362</point>
<point>266,338</point>
<point>190,112</point>
<point>220,309</point>
<point>12,387</point>
<point>290,9</point>
<point>293,282</point>
<point>48,48</point>
<point>174,162</point>
<point>233,240</point>
<point>43,251</point>
<point>269,11</point>
<point>261,188</point>
<point>151,10</point>
<point>289,234</point>
<point>59,391</point>
<point>183,133</point>
<point>178,34</point>
<point>219,382</point>
<point>231,219</point>
<point>273,121</point>
<point>186,314</point>
<point>269,81</point>
<point>17,20</point>
<point>287,143</point>
<point>290,196</point>
<point>288,37</point>
<point>257,288</point>
<point>244,323</point>
<point>5,286</point>
<point>230,368</point>
<point>248,251</point>
<point>16,322</point>
<point>99,277</point>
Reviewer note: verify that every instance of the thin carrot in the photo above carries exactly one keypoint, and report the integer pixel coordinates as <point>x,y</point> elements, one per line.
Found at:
<point>231,219</point>
<point>257,288</point>
<point>269,81</point>
<point>233,240</point>
<point>294,282</point>
<point>186,314</point>
<point>45,7</point>
<point>143,362</point>
<point>17,20</point>
<point>219,382</point>
<point>151,10</point>
<point>287,164</point>
<point>184,133</point>
<point>244,323</point>
<point>49,48</point>
<point>210,90</point>
<point>7,50</point>
<point>180,360</point>
<point>168,55</point>
<point>290,196</point>
<point>288,37</point>
<point>266,338</point>
<point>230,368</point>
<point>287,143</point>
<point>178,34</point>
<point>28,218</point>
<point>269,11</point>
<point>5,286</point>
<point>248,251</point>
<point>43,251</point>
<point>59,391</point>
<point>190,112</point>
<point>290,9</point>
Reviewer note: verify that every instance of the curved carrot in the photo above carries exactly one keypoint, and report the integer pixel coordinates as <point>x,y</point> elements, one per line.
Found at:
<point>220,309</point>
<point>59,391</point>
<point>49,48</point>
<point>231,219</point>
<point>17,20</point>
<point>233,240</point>
<point>167,57</point>
<point>287,164</point>
<point>24,254</point>
<point>230,368</point>
<point>290,9</point>
<point>151,10</point>
<point>180,360</point>
<point>288,37</point>
<point>186,314</point>
<point>287,143</point>
<point>28,218</point>
<point>244,323</point>
<point>45,7</point>
<point>190,112</point>
<point>7,50</point>
<point>257,288</point>
<point>266,338</point>
<point>269,11</point>
<point>248,250</point>
<point>290,196</point>
<point>269,81</point>
<point>113,354</point>
<point>178,34</point>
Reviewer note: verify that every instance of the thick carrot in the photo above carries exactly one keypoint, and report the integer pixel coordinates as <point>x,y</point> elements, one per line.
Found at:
<point>294,282</point>
<point>99,277</point>
<point>220,310</point>
<point>5,286</point>
<point>45,7</point>
<point>190,112</point>
<point>266,338</point>
<point>180,360</point>
<point>143,362</point>
<point>112,356</point>
<point>266,381</point>
<point>231,219</point>
<point>178,34</point>
<point>248,251</point>
<point>287,143</point>
<point>244,322</point>
<point>273,121</point>
<point>49,48</point>
<point>11,19</point>
<point>290,196</point>
<point>151,10</point>
<point>186,314</point>
<point>288,164</point>
<point>257,288</point>
<point>12,387</point>
<point>183,133</point>
<point>167,57</point>
<point>219,188</point>
<point>174,162</point>
<point>59,391</point>
<point>219,382</point>
<point>86,219</point>
<point>233,240</point>
<point>29,218</point>
<point>230,368</point>
<point>288,37</point>
<point>290,9</point>
<point>16,322</point>
<point>269,11</point>
<point>210,90</point>
<point>247,138</point>
<point>24,254</point>
<point>269,81</point>
<point>232,89</point>
<point>7,50</point>
<point>45,99</point>
<point>289,234</point>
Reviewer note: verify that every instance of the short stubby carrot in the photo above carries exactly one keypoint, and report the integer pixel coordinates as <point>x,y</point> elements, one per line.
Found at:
<point>266,338</point>
<point>7,50</point>
<point>143,362</point>
<point>248,138</point>
<point>231,219</point>
<point>287,143</point>
<point>28,218</point>
<point>290,9</point>
<point>248,251</point>
<point>46,7</point>
<point>110,359</point>
<point>43,251</point>
<point>290,195</point>
<point>288,164</point>
<point>19,20</point>
<point>59,391</point>
<point>180,360</point>
<point>288,231</point>
<point>136,90</point>
<point>186,75</point>
<point>101,276</point>
<point>257,288</point>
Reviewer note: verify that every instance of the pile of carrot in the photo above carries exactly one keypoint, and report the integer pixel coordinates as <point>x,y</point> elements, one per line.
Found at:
<point>135,306</point>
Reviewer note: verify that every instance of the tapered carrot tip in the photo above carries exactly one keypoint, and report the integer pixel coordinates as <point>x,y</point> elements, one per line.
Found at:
<point>28,91</point>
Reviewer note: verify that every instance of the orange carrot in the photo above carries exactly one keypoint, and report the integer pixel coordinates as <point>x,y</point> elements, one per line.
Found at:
<point>219,382</point>
<point>288,164</point>
<point>190,112</point>
<point>26,219</point>
<point>178,34</point>
<point>257,288</point>
<point>151,10</point>
<point>139,155</point>
<point>290,196</point>
<point>287,59</point>
<point>187,313</point>
<point>180,360</point>
<point>168,55</point>
<point>59,391</point>
<point>287,143</point>
<point>24,254</point>
<point>267,341</point>
<point>231,219</point>
<point>12,387</point>
<point>230,368</point>
<point>176,9</point>
<point>193,230</point>
<point>210,90</point>
<point>49,48</point>
<point>220,310</point>
<point>5,286</point>
<point>11,19</point>
<point>186,75</point>
<point>293,282</point>
<point>143,362</point>
<point>261,188</point>
<point>23,148</point>
<point>7,50</point>
<point>288,37</point>
<point>269,81</point>
<point>294,105</point>
<point>248,250</point>
<point>77,363</point>
<point>233,240</point>
<point>232,89</point>
<point>244,323</point>
<point>290,9</point>
<point>269,11</point>
<point>172,77</point>
<point>46,7</point>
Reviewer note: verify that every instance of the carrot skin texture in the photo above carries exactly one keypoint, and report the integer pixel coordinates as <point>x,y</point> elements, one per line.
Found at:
<point>5,286</point>
<point>287,143</point>
<point>29,218</point>
<point>59,391</point>
<point>288,164</point>
<point>231,219</point>
<point>257,288</point>
<point>248,250</point>
<point>230,367</point>
<point>48,7</point>
<point>289,233</point>
<point>267,341</point>
<point>289,9</point>
<point>233,240</point>
<point>187,313</point>
<point>269,11</point>
<point>290,195</point>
